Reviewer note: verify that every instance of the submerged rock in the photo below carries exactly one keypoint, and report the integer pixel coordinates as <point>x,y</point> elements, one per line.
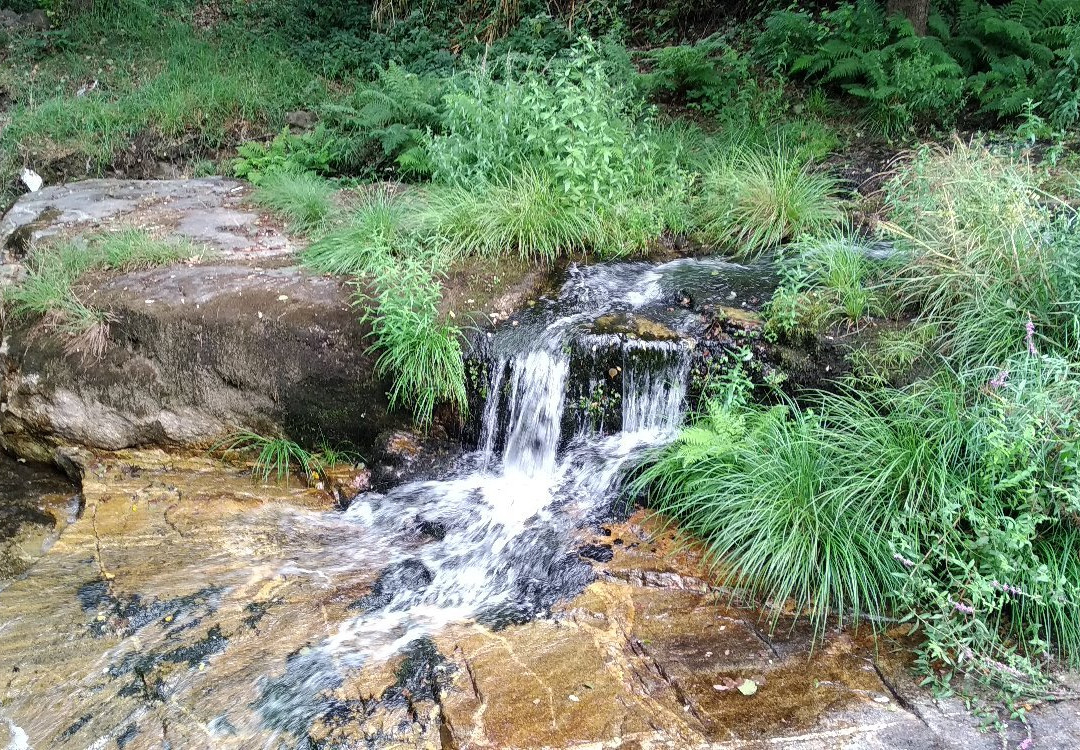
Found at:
<point>635,327</point>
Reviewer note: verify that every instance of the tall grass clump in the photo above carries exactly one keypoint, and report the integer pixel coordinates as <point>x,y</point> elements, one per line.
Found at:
<point>304,200</point>
<point>752,198</point>
<point>382,223</point>
<point>418,350</point>
<point>756,487</point>
<point>951,504</point>
<point>990,258</point>
<point>827,281</point>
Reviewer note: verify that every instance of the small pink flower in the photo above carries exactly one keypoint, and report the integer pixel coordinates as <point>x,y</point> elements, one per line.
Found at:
<point>962,608</point>
<point>1026,744</point>
<point>903,561</point>
<point>998,381</point>
<point>1029,337</point>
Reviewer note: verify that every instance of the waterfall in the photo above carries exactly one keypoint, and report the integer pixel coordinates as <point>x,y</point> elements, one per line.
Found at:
<point>506,513</point>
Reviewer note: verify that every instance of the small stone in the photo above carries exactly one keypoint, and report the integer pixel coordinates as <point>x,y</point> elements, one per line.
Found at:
<point>283,298</point>
<point>880,699</point>
<point>536,701</point>
<point>573,698</point>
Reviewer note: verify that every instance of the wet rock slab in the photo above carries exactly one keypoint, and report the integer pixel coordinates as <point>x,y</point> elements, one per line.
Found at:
<point>188,607</point>
<point>36,504</point>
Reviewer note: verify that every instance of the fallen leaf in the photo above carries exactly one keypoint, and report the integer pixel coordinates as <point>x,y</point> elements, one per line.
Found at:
<point>748,687</point>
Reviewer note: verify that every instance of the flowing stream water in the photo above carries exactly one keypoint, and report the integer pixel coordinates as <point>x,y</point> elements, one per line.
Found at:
<point>492,538</point>
<point>502,518</point>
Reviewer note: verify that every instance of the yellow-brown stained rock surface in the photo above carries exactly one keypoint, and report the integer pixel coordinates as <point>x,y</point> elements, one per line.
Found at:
<point>185,608</point>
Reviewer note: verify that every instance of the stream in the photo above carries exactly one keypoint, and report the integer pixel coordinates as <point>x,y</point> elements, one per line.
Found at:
<point>252,627</point>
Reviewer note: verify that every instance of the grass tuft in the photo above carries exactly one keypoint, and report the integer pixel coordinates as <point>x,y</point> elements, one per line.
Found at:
<point>304,200</point>
<point>49,288</point>
<point>754,198</point>
<point>275,457</point>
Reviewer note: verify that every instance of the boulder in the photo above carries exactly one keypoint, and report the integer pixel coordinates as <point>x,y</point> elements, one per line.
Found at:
<point>242,339</point>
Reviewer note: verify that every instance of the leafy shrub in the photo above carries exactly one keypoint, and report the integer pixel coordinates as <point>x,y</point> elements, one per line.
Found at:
<point>387,121</point>
<point>1004,57</point>
<point>753,198</point>
<point>709,75</point>
<point>1026,51</point>
<point>577,130</point>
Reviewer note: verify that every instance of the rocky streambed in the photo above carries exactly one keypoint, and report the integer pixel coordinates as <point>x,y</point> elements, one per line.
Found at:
<point>499,595</point>
<point>189,608</point>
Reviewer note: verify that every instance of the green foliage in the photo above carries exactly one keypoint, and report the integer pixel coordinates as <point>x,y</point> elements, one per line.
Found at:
<point>951,501</point>
<point>987,255</point>
<point>275,457</point>
<point>304,200</point>
<point>311,152</point>
<point>709,75</point>
<point>385,123</point>
<point>827,281</point>
<point>173,84</point>
<point>420,352</point>
<point>1026,51</point>
<point>753,198</point>
<point>903,79</point>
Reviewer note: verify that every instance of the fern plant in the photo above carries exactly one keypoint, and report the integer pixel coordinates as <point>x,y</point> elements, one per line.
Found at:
<point>389,119</point>
<point>903,79</point>
<point>1024,51</point>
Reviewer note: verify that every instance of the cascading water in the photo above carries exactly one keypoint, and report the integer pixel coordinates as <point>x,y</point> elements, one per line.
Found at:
<point>505,518</point>
<point>492,540</point>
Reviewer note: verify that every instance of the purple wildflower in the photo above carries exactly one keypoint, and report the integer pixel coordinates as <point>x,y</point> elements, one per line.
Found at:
<point>1026,744</point>
<point>962,608</point>
<point>1029,337</point>
<point>1008,589</point>
<point>903,561</point>
<point>998,381</point>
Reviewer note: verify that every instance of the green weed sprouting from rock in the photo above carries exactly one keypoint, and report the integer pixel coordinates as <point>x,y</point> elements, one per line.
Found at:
<point>274,457</point>
<point>53,272</point>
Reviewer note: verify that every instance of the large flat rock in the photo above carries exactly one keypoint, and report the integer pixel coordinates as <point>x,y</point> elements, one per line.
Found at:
<point>240,339</point>
<point>209,211</point>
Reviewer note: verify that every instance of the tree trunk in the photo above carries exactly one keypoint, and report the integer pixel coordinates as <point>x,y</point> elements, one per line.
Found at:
<point>917,11</point>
